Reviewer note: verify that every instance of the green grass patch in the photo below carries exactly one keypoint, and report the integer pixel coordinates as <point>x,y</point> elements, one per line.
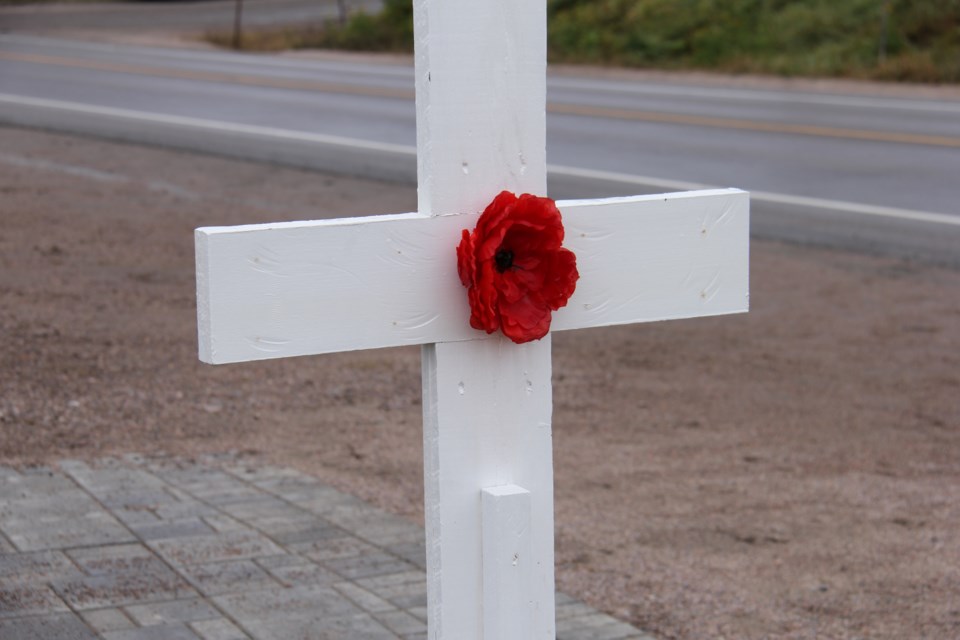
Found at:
<point>915,40</point>
<point>909,40</point>
<point>389,30</point>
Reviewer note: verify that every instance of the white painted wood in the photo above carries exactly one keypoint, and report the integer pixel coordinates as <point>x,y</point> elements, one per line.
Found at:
<point>291,289</point>
<point>487,412</point>
<point>481,128</point>
<point>481,101</point>
<point>508,611</point>
<point>279,290</point>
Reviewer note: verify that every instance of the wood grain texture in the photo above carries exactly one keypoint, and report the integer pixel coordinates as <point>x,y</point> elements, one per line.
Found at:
<point>481,128</point>
<point>291,289</point>
<point>487,422</point>
<point>481,80</point>
<point>509,612</point>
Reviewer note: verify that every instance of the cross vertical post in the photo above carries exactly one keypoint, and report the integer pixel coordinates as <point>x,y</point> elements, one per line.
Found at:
<point>481,128</point>
<point>290,289</point>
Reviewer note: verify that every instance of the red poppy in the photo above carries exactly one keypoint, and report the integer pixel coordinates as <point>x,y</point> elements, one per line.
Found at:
<point>515,271</point>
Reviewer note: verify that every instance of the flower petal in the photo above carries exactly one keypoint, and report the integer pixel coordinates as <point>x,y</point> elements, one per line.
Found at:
<point>525,320</point>
<point>518,294</point>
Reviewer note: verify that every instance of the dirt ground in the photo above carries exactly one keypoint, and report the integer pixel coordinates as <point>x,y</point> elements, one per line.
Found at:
<point>790,473</point>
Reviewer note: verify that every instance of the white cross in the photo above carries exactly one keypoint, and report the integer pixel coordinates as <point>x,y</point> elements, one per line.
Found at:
<point>301,288</point>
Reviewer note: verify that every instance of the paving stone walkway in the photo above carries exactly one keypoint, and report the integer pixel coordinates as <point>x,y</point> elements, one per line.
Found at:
<point>165,549</point>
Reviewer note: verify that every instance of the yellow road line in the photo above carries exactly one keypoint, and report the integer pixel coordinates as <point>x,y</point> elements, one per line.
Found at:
<point>212,76</point>
<point>561,109</point>
<point>755,125</point>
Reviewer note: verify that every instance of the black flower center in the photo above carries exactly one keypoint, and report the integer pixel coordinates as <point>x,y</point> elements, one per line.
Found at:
<point>504,259</point>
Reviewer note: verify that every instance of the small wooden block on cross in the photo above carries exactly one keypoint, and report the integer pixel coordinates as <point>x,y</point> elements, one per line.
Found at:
<point>305,288</point>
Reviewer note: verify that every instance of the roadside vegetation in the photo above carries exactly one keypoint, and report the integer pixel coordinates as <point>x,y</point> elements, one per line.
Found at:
<point>909,40</point>
<point>389,30</point>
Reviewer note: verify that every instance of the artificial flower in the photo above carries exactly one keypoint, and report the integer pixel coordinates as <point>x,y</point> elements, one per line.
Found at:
<point>514,268</point>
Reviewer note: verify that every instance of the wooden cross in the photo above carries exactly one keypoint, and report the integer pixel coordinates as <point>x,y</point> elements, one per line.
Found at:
<point>302,288</point>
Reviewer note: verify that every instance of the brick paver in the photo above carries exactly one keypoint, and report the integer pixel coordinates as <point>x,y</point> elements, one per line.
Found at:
<point>142,549</point>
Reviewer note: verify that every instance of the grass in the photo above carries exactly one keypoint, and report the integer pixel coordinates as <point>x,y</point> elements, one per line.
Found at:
<point>905,40</point>
<point>915,40</point>
<point>389,30</point>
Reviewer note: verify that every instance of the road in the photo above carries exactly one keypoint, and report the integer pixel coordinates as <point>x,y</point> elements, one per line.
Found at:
<point>857,171</point>
<point>177,17</point>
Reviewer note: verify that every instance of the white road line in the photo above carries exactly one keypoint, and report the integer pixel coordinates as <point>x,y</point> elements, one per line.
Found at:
<point>406,150</point>
<point>627,178</point>
<point>764,196</point>
<point>856,207</point>
<point>214,125</point>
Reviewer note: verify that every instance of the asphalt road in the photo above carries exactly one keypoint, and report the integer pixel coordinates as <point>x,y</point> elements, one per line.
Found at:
<point>163,16</point>
<point>856,171</point>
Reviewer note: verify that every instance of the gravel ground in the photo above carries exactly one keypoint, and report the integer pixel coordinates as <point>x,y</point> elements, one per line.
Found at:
<point>791,473</point>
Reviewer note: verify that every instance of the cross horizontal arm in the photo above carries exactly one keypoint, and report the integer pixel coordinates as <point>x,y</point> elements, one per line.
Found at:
<point>302,288</point>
